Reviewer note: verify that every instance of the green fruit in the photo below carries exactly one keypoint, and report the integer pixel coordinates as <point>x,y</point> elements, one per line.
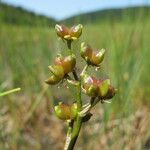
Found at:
<point>92,90</point>
<point>97,57</point>
<point>53,80</point>
<point>62,111</point>
<point>57,70</point>
<point>104,88</point>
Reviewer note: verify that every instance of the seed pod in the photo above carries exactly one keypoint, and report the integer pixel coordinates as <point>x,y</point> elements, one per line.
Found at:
<point>97,57</point>
<point>66,112</point>
<point>92,90</point>
<point>57,71</point>
<point>61,30</point>
<point>97,88</point>
<point>90,86</point>
<point>104,87</point>
<point>92,57</point>
<point>68,63</point>
<point>62,111</point>
<point>66,33</point>
<point>52,80</point>
<point>111,93</point>
<point>76,31</point>
<point>85,51</point>
<point>57,74</point>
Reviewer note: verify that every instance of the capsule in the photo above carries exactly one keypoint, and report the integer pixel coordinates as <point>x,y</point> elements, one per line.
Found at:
<point>67,33</point>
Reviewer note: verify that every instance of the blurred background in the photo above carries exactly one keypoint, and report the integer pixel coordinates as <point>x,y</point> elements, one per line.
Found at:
<point>28,44</point>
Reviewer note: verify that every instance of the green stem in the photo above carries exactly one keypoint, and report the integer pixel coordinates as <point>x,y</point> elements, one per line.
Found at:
<point>73,131</point>
<point>74,72</point>
<point>78,122</point>
<point>68,138</point>
<point>79,101</point>
<point>69,45</point>
<point>10,91</point>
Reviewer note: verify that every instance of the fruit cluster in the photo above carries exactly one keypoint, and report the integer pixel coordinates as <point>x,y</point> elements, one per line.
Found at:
<point>63,65</point>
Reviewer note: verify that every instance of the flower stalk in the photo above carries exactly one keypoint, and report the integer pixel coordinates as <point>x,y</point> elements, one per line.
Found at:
<point>71,139</point>
<point>97,89</point>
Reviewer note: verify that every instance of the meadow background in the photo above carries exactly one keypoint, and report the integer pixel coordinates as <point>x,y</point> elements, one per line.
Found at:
<point>28,44</point>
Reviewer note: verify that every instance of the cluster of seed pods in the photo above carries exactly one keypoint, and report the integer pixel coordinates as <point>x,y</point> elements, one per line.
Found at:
<point>64,65</point>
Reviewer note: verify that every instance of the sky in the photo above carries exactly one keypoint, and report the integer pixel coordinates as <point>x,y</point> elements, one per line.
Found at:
<point>61,9</point>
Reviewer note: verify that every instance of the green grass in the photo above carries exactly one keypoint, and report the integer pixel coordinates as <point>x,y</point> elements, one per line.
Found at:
<point>9,92</point>
<point>25,53</point>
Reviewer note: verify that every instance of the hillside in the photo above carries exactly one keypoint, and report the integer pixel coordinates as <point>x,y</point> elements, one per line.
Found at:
<point>19,16</point>
<point>131,14</point>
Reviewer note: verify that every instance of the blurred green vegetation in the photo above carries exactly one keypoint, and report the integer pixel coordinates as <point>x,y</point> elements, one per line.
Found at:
<point>18,16</point>
<point>111,15</point>
<point>25,52</point>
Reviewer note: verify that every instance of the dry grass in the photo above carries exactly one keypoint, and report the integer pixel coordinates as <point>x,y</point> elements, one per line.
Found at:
<point>44,131</point>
